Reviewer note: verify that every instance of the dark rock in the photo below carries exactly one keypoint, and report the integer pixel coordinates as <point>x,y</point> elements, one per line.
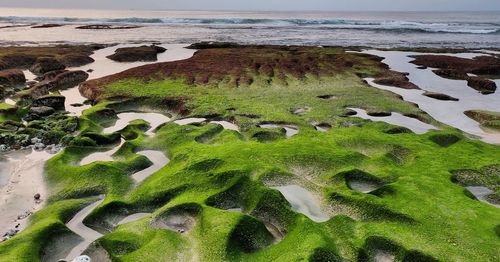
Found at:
<point>63,80</point>
<point>440,96</point>
<point>485,86</point>
<point>159,49</point>
<point>378,113</point>
<point>12,77</point>
<point>77,105</point>
<point>69,79</point>
<point>74,60</point>
<point>327,97</point>
<point>46,64</point>
<point>478,65</point>
<point>90,70</point>
<point>37,196</point>
<point>134,54</point>
<point>396,79</point>
<point>451,74</point>
<point>11,125</point>
<point>107,27</point>
<point>348,113</point>
<point>49,76</point>
<point>207,45</point>
<point>46,26</point>
<point>398,130</point>
<point>89,102</point>
<point>38,112</point>
<point>17,61</point>
<point>444,140</point>
<point>54,101</point>
<point>8,110</point>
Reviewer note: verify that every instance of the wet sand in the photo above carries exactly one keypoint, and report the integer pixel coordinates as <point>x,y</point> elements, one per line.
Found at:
<point>21,177</point>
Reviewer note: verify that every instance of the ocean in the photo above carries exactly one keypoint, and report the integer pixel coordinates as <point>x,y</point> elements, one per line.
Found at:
<point>375,29</point>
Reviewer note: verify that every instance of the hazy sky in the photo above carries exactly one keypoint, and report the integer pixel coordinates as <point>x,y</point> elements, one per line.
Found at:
<point>325,5</point>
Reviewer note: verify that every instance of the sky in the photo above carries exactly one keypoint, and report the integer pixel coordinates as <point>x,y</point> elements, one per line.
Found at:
<point>275,5</point>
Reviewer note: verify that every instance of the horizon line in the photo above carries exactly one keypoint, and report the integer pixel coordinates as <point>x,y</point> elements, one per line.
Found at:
<point>252,10</point>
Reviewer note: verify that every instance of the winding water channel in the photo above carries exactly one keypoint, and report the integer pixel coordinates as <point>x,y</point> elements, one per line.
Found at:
<point>22,184</point>
<point>447,112</point>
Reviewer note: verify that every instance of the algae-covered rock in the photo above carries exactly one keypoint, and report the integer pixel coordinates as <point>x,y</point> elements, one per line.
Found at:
<point>46,64</point>
<point>134,54</point>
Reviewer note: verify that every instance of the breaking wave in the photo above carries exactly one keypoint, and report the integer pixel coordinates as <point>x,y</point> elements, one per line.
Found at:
<point>399,26</point>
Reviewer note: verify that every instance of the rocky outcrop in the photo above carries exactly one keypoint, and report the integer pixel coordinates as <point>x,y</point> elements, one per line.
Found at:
<point>206,45</point>
<point>54,101</point>
<point>243,65</point>
<point>485,118</point>
<point>60,81</point>
<point>24,57</point>
<point>450,74</point>
<point>134,54</point>
<point>107,27</point>
<point>74,60</point>
<point>46,26</point>
<point>46,64</point>
<point>12,77</point>
<point>458,68</point>
<point>485,86</point>
<point>396,79</point>
<point>38,112</point>
<point>9,80</point>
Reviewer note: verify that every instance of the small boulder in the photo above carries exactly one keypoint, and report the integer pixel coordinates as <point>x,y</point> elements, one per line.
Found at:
<point>12,77</point>
<point>135,54</point>
<point>485,86</point>
<point>439,96</point>
<point>46,64</point>
<point>38,112</point>
<point>60,81</point>
<point>54,101</point>
<point>74,60</point>
<point>378,113</point>
<point>37,196</point>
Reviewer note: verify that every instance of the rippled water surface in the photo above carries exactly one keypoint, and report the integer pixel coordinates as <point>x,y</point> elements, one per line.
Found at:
<point>381,29</point>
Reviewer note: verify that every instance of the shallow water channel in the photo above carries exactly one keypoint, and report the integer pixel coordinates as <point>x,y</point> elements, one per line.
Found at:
<point>22,172</point>
<point>447,112</point>
<point>415,125</point>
